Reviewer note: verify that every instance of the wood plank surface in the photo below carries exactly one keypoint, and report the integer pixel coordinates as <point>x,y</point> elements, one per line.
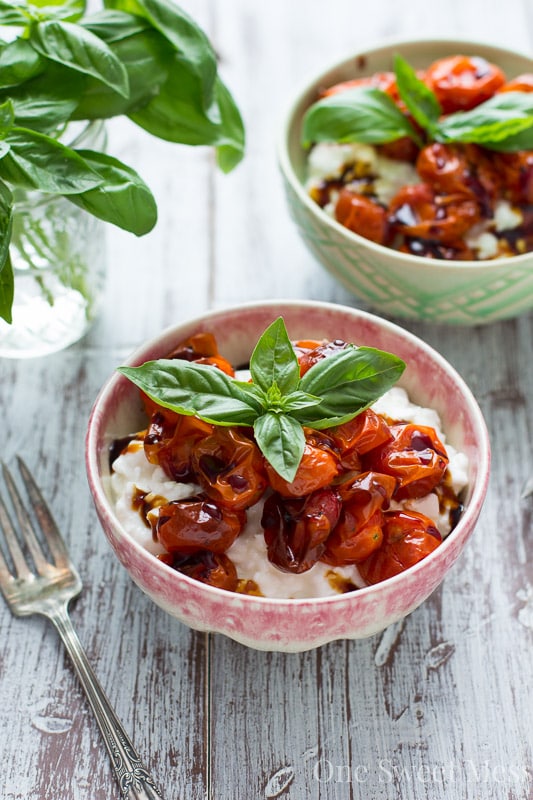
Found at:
<point>438,707</point>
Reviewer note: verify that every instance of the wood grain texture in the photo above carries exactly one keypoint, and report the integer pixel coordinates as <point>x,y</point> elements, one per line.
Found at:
<point>439,706</point>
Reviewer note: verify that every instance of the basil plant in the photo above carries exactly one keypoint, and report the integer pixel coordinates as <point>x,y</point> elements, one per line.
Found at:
<point>145,59</point>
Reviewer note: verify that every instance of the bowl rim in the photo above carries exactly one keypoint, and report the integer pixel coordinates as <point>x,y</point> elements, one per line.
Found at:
<point>292,115</point>
<point>469,515</point>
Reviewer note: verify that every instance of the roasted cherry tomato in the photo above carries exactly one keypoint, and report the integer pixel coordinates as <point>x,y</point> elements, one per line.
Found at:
<point>216,569</point>
<point>444,167</point>
<point>461,82</point>
<point>403,149</point>
<point>418,212</point>
<point>318,467</point>
<point>358,436</point>
<point>309,356</point>
<point>202,348</point>
<point>198,345</point>
<point>229,467</point>
<point>296,529</point>
<point>522,83</point>
<point>517,171</point>
<point>362,215</point>
<point>358,531</point>
<point>169,442</point>
<point>415,456</point>
<point>386,81</point>
<point>456,170</point>
<point>408,537</point>
<point>195,524</point>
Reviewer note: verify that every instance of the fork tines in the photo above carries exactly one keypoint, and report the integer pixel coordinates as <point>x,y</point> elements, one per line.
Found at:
<point>43,517</point>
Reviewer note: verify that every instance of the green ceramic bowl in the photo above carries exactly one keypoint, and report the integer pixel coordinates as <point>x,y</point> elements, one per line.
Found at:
<point>455,292</point>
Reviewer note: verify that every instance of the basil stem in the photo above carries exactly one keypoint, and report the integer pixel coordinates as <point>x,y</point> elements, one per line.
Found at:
<point>6,270</point>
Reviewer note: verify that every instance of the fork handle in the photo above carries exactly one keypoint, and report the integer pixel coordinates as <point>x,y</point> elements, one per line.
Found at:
<point>133,778</point>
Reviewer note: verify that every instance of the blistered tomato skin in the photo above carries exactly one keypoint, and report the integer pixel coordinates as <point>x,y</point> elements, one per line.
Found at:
<point>444,167</point>
<point>517,172</point>
<point>386,81</point>
<point>462,83</point>
<point>202,348</point>
<point>408,537</point>
<point>170,440</point>
<point>230,468</point>
<point>310,352</point>
<point>522,83</point>
<point>197,524</point>
<point>415,457</point>
<point>417,211</point>
<point>215,569</point>
<point>362,215</point>
<point>296,529</point>
<point>357,437</point>
<point>359,530</point>
<point>318,468</point>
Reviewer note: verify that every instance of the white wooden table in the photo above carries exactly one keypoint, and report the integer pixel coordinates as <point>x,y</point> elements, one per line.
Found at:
<point>437,707</point>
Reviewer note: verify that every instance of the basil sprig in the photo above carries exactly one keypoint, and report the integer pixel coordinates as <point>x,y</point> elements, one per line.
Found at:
<point>144,59</point>
<point>277,403</point>
<point>368,115</point>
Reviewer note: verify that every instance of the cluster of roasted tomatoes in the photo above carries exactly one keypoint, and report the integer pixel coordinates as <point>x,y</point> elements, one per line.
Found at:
<point>459,183</point>
<point>336,510</point>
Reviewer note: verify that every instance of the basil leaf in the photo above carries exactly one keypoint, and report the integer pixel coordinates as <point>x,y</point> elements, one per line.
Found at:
<point>38,108</point>
<point>347,382</point>
<point>70,10</point>
<point>183,33</point>
<point>147,58</point>
<point>295,401</point>
<point>274,361</point>
<point>502,116</point>
<point>363,114</point>
<point>194,389</point>
<point>122,198</point>
<point>36,161</point>
<point>13,13</point>
<point>79,49</point>
<point>6,270</point>
<point>522,140</point>
<point>18,63</point>
<point>282,441</point>
<point>230,145</point>
<point>420,100</point>
<point>176,114</point>
<point>113,26</point>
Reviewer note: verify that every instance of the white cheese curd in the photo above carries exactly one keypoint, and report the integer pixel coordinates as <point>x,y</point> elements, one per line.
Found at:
<point>329,160</point>
<point>483,242</point>
<point>506,217</point>
<point>482,238</point>
<point>133,475</point>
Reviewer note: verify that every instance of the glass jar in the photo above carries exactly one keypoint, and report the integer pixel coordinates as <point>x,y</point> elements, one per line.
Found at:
<point>58,253</point>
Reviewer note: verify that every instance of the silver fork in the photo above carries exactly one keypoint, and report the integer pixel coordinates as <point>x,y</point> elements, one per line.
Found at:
<point>47,591</point>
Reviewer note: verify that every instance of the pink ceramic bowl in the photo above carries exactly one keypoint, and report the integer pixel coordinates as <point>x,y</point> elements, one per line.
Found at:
<point>292,625</point>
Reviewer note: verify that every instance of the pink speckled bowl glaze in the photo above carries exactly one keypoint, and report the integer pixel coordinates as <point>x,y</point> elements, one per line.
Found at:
<point>292,625</point>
